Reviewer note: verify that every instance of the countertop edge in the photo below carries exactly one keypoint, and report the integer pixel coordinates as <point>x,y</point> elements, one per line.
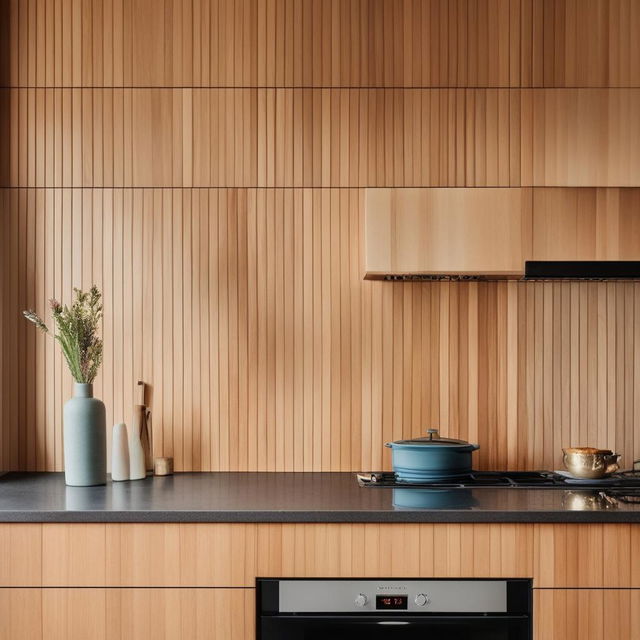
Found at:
<point>399,517</point>
<point>237,497</point>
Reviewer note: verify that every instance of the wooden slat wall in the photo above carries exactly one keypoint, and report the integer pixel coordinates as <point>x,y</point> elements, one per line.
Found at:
<point>203,161</point>
<point>323,43</point>
<point>580,137</point>
<point>321,137</point>
<point>262,137</point>
<point>586,224</point>
<point>246,311</point>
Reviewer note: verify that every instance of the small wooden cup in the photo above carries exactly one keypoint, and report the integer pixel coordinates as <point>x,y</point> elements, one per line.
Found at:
<point>163,466</point>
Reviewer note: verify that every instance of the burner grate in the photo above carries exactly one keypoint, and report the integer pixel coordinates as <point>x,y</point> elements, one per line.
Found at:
<point>501,479</point>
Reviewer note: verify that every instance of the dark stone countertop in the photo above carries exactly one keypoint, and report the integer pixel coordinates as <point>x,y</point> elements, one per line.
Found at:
<point>281,497</point>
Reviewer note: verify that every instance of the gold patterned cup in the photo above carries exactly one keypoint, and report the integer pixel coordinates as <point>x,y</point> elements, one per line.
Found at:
<point>590,463</point>
<point>588,501</point>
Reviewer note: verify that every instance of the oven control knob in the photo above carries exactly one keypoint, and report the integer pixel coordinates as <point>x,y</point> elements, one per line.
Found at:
<point>421,600</point>
<point>361,600</point>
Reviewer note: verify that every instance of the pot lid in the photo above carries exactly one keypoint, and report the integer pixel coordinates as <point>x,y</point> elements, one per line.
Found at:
<point>433,439</point>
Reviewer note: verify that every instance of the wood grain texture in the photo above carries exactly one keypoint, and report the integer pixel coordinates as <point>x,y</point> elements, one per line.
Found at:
<point>242,304</point>
<point>321,137</point>
<point>583,614</point>
<point>245,311</point>
<point>587,43</point>
<point>572,598</point>
<point>21,555</point>
<point>232,555</point>
<point>448,231</point>
<point>262,137</point>
<point>405,43</point>
<point>580,137</point>
<point>116,614</point>
<point>586,224</point>
<point>491,232</point>
<point>21,611</point>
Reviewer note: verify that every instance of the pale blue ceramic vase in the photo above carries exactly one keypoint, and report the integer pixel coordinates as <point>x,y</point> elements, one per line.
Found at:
<point>85,438</point>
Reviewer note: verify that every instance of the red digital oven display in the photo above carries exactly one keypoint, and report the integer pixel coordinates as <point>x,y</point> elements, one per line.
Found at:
<point>392,602</point>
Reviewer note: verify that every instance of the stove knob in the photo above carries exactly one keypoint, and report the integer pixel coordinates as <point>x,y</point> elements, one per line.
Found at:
<point>421,600</point>
<point>361,600</point>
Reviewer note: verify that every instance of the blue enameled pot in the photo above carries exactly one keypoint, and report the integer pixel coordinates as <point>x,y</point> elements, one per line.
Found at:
<point>432,458</point>
<point>415,498</point>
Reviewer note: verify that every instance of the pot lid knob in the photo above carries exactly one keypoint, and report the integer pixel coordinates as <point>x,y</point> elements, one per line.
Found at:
<point>433,434</point>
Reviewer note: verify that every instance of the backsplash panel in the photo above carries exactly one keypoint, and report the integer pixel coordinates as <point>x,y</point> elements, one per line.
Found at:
<point>203,161</point>
<point>245,311</point>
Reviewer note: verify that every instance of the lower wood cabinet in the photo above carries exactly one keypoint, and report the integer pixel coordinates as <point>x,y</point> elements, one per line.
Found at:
<point>126,614</point>
<point>212,614</point>
<point>586,614</point>
<point>197,581</point>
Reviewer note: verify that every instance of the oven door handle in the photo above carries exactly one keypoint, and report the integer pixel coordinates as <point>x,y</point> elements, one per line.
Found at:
<point>384,628</point>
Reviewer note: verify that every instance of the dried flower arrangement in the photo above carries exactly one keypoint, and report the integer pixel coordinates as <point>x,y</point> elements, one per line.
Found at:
<point>77,332</point>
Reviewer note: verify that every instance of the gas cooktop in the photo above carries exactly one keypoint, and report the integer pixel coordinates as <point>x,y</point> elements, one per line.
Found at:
<point>505,479</point>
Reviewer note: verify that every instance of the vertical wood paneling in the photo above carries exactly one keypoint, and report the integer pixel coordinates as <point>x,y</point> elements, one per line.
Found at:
<point>585,613</point>
<point>108,614</point>
<point>586,224</point>
<point>238,43</point>
<point>356,43</point>
<point>223,555</point>
<point>580,137</point>
<point>202,162</point>
<point>590,43</point>
<point>321,138</point>
<point>246,312</point>
<point>103,579</point>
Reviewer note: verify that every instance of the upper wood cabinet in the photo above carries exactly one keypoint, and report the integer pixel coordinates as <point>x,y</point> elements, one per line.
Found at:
<point>579,138</point>
<point>447,231</point>
<point>586,224</point>
<point>491,232</point>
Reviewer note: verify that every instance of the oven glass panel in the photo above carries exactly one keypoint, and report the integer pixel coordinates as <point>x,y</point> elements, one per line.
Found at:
<point>406,628</point>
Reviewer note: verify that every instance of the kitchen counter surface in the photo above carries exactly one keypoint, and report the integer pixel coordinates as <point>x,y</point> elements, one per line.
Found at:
<point>284,497</point>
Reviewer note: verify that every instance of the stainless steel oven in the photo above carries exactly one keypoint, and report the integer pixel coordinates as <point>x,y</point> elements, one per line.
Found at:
<point>404,609</point>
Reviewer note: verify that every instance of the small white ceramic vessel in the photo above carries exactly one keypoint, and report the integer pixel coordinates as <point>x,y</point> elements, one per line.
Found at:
<point>119,453</point>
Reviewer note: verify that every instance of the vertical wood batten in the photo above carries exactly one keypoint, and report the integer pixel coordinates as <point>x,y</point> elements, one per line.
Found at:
<point>243,304</point>
<point>164,137</point>
<point>390,43</point>
<point>295,363</point>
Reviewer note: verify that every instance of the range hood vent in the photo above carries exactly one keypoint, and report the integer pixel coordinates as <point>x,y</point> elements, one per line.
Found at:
<point>432,277</point>
<point>582,270</point>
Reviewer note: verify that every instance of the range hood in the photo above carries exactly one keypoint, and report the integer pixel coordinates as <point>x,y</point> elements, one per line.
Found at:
<point>582,269</point>
<point>414,234</point>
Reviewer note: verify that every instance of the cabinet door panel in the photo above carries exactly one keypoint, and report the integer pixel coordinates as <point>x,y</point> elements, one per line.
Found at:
<point>126,614</point>
<point>131,555</point>
<point>20,555</point>
<point>20,614</point>
<point>450,231</point>
<point>586,224</point>
<point>580,137</point>
<point>586,614</point>
<point>183,614</point>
